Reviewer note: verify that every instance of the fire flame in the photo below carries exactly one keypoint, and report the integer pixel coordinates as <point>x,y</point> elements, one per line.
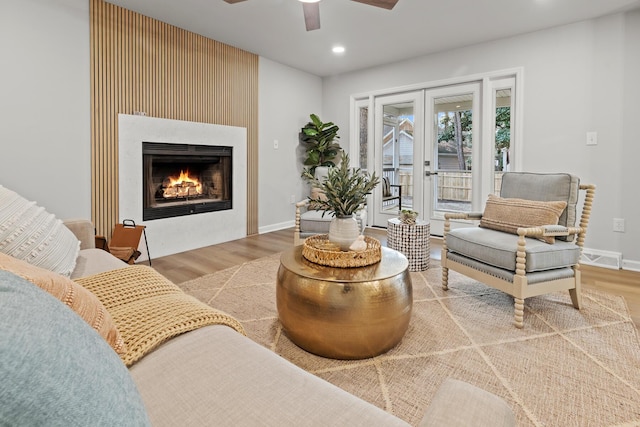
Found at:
<point>183,186</point>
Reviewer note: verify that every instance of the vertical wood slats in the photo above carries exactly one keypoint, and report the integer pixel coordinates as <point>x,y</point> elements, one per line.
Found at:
<point>141,64</point>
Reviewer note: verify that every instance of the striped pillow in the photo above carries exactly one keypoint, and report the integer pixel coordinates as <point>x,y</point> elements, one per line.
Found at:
<point>79,299</point>
<point>30,233</point>
<point>506,214</point>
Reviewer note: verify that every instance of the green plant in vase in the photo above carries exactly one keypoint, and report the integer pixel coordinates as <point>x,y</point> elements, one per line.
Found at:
<point>318,139</point>
<point>345,192</point>
<point>408,216</point>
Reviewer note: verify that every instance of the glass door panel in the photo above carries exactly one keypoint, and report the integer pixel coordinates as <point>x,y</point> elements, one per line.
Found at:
<point>503,152</point>
<point>398,136</point>
<point>363,136</point>
<point>454,154</point>
<point>454,172</point>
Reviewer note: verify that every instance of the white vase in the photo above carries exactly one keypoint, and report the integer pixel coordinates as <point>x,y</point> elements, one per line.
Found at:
<point>343,231</point>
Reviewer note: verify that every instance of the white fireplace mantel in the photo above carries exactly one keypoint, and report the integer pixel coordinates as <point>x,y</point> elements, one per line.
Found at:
<point>173,235</point>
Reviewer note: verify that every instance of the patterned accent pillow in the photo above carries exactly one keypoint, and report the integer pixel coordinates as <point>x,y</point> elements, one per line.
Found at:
<point>316,194</point>
<point>79,299</point>
<point>509,214</point>
<point>30,233</point>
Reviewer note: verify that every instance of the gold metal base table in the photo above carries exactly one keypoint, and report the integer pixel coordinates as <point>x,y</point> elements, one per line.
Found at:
<point>344,313</point>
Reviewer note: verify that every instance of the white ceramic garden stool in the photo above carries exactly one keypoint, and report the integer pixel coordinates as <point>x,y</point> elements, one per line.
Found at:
<point>412,240</point>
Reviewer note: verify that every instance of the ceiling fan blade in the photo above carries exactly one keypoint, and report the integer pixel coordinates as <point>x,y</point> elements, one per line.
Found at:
<point>311,15</point>
<point>233,1</point>
<point>385,4</point>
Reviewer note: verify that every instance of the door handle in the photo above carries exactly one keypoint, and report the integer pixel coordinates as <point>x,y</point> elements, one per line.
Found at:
<point>429,173</point>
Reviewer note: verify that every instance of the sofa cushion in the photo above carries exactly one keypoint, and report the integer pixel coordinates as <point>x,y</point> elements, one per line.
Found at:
<point>226,379</point>
<point>55,369</point>
<point>509,214</point>
<point>545,187</point>
<point>79,299</point>
<point>30,233</point>
<point>499,249</point>
<point>94,261</point>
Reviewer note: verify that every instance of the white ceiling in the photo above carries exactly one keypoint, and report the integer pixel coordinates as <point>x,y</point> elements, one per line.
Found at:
<point>372,36</point>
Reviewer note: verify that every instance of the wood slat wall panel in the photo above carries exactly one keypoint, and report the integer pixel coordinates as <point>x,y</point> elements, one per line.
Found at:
<point>141,64</point>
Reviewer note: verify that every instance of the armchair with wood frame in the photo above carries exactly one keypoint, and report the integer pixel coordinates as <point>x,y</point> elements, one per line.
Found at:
<point>527,243</point>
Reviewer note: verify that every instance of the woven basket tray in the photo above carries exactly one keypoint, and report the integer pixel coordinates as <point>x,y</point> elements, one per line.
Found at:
<point>319,250</point>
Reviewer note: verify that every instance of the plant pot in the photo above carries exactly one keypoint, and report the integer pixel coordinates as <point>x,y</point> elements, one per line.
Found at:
<point>344,231</point>
<point>408,217</point>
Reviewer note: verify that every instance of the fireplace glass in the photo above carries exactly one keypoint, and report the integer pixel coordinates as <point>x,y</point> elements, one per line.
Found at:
<point>185,179</point>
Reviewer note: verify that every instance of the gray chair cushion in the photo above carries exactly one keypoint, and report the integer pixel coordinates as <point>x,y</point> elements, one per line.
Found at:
<point>313,222</point>
<point>55,369</point>
<point>545,188</point>
<point>499,249</point>
<point>509,276</point>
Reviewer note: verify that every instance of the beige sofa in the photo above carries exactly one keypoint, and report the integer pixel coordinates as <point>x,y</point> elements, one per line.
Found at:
<point>214,375</point>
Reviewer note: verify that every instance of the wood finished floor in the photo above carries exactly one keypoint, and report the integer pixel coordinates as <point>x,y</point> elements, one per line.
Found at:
<point>199,262</point>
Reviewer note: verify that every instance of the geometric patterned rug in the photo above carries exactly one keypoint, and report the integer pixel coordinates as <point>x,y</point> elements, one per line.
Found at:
<point>567,367</point>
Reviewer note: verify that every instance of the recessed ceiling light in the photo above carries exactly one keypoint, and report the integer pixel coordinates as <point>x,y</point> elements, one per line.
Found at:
<point>309,1</point>
<point>338,49</point>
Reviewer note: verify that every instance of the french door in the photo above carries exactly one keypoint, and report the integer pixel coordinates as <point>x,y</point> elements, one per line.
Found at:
<point>398,146</point>
<point>453,155</point>
<point>443,147</point>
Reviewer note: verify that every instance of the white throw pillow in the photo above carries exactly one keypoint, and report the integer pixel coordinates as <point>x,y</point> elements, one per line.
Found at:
<point>30,233</point>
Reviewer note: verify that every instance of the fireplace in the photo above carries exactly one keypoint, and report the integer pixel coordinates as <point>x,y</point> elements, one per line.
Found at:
<point>185,179</point>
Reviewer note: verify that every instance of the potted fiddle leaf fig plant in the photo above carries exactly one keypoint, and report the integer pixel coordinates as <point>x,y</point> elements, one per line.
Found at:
<point>319,142</point>
<point>345,192</point>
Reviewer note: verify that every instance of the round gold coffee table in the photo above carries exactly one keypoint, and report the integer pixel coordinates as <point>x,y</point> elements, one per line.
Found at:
<point>344,313</point>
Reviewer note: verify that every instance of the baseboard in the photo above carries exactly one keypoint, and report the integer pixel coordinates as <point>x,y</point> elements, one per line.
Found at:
<point>598,258</point>
<point>276,227</point>
<point>631,265</point>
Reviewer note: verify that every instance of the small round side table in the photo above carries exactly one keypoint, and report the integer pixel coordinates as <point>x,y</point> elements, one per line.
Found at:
<point>412,240</point>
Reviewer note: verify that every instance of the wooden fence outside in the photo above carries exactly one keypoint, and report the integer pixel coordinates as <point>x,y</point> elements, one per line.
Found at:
<point>456,186</point>
<point>452,186</point>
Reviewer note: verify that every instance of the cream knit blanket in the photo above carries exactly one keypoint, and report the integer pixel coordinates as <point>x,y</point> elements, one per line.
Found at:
<point>148,309</point>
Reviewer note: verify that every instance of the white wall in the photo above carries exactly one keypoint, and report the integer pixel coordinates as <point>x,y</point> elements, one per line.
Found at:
<point>630,155</point>
<point>45,110</point>
<point>286,99</point>
<point>45,104</point>
<point>575,80</point>
<point>578,78</point>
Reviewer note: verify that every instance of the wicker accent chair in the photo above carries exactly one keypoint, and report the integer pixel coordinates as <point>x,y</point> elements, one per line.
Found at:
<point>518,262</point>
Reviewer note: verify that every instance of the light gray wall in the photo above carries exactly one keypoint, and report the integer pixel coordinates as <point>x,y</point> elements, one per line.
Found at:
<point>45,103</point>
<point>287,98</point>
<point>575,80</point>
<point>45,110</point>
<point>578,78</point>
<point>630,158</point>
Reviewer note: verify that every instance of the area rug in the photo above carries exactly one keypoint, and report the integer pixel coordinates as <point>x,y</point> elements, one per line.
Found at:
<point>566,367</point>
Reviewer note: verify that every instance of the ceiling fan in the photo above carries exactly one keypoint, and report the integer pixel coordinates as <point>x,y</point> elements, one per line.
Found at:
<point>311,9</point>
